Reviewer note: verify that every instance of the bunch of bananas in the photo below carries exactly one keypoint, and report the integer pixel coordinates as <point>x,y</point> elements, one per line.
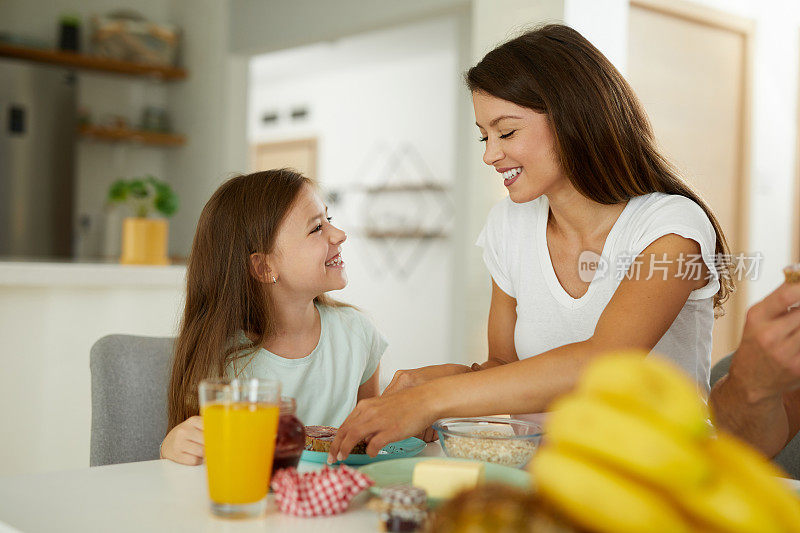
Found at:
<point>631,450</point>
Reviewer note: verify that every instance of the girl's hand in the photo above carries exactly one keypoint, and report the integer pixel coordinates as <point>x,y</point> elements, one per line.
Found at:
<point>382,420</point>
<point>405,379</point>
<point>184,444</point>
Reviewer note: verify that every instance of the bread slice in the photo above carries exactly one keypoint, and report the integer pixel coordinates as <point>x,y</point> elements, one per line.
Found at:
<point>319,439</point>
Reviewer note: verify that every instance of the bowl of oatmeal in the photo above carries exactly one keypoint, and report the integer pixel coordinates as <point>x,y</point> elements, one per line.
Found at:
<point>503,441</point>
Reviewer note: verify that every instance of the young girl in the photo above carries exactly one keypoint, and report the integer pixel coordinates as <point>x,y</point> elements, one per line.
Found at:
<point>264,255</point>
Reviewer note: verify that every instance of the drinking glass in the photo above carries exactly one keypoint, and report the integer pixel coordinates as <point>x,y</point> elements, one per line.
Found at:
<point>240,423</point>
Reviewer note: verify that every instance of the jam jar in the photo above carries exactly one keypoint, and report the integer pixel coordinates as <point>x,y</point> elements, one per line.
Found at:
<point>291,437</point>
<point>403,508</point>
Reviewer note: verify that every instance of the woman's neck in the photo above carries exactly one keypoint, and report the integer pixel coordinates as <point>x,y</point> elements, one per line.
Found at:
<point>576,217</point>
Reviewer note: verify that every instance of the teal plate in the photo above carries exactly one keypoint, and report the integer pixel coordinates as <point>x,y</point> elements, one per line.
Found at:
<point>402,471</point>
<point>403,448</point>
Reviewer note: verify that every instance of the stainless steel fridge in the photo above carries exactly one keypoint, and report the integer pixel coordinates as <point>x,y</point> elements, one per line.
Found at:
<point>37,137</point>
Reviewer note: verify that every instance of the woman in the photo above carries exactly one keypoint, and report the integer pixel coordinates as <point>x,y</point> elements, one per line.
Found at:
<point>568,137</point>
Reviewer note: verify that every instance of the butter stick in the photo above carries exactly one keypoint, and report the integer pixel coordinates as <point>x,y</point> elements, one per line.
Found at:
<point>444,479</point>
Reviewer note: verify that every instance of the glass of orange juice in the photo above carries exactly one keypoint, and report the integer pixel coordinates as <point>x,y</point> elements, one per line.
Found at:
<point>240,423</point>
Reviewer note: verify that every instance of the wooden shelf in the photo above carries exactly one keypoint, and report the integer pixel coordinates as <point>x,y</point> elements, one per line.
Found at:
<point>87,62</point>
<point>128,135</point>
<point>400,234</point>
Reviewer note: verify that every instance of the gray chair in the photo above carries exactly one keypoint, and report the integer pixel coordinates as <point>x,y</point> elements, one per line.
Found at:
<point>129,397</point>
<point>789,458</point>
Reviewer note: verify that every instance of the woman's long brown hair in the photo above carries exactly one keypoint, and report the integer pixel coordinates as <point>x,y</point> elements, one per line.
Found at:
<point>604,138</point>
<point>222,298</point>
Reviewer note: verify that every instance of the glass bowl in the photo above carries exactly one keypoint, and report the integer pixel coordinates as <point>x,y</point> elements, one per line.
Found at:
<point>503,441</point>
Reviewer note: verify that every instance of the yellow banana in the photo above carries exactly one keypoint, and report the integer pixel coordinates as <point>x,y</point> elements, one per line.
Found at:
<point>759,476</point>
<point>637,446</point>
<point>654,389</point>
<point>599,499</point>
<point>726,505</point>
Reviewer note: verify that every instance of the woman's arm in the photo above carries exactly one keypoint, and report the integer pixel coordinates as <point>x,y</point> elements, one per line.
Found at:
<point>638,315</point>
<point>502,319</point>
<point>371,387</point>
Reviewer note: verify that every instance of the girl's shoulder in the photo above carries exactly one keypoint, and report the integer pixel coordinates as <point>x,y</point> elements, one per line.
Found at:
<point>344,316</point>
<point>347,321</point>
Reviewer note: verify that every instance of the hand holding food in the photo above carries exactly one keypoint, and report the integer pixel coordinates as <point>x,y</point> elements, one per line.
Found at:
<point>380,421</point>
<point>767,362</point>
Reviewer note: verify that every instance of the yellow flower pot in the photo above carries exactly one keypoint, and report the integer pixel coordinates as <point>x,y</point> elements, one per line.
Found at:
<point>144,241</point>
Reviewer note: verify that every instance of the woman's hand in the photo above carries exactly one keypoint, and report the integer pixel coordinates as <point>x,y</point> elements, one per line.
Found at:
<point>383,420</point>
<point>405,379</point>
<point>184,444</point>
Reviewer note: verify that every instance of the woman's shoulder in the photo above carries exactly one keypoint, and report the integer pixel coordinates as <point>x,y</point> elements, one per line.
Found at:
<point>674,209</point>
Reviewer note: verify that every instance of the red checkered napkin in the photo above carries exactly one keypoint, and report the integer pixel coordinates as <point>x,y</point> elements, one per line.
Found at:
<point>321,493</point>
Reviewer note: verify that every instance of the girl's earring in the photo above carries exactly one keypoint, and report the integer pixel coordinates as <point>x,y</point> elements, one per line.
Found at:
<point>273,279</point>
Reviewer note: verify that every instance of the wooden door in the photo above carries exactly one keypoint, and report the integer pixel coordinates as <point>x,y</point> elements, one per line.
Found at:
<point>689,67</point>
<point>300,155</point>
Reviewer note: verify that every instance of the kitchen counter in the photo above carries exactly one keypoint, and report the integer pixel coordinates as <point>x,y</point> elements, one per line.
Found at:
<point>51,313</point>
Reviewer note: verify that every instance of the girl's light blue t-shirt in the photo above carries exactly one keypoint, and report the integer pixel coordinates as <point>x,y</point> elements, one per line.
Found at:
<point>325,382</point>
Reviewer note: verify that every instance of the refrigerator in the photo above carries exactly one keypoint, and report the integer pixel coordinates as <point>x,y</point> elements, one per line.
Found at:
<point>37,137</point>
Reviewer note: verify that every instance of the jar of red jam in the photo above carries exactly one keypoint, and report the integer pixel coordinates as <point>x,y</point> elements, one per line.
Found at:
<point>291,437</point>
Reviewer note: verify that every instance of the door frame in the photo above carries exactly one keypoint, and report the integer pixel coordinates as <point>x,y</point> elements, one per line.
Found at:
<point>718,19</point>
<point>795,232</point>
<point>308,142</point>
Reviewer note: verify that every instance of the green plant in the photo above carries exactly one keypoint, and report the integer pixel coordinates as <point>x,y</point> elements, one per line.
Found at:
<point>144,196</point>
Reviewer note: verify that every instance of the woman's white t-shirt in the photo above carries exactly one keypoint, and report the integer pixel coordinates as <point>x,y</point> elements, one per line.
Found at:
<point>325,382</point>
<point>515,251</point>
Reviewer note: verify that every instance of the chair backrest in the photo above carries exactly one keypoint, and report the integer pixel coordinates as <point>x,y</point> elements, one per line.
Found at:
<point>130,376</point>
<point>788,458</point>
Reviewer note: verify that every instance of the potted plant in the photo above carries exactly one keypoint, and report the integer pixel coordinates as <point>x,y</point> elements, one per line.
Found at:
<point>144,236</point>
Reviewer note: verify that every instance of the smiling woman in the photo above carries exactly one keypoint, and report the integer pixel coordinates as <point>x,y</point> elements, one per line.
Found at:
<point>575,150</point>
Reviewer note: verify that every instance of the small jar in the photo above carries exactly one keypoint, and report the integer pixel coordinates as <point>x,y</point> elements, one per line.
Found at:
<point>291,436</point>
<point>404,508</point>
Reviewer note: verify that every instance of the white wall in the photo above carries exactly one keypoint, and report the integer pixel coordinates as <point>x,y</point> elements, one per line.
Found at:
<point>369,95</point>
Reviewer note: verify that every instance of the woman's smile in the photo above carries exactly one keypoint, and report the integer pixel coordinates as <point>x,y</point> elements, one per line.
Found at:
<point>509,175</point>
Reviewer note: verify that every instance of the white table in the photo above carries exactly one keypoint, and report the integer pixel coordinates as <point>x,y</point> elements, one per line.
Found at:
<point>149,496</point>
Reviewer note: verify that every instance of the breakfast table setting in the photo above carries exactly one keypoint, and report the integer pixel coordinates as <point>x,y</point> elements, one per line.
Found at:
<point>609,457</point>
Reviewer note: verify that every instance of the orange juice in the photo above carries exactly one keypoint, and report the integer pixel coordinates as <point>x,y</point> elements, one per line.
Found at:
<point>239,444</point>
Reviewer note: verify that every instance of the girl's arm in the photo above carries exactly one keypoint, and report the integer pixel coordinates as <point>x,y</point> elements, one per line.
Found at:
<point>370,388</point>
<point>638,315</point>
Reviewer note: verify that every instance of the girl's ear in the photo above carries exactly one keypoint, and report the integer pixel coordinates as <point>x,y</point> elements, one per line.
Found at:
<point>259,268</point>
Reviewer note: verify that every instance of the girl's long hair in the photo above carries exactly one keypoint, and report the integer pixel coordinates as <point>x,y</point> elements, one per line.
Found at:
<point>604,139</point>
<point>222,298</point>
